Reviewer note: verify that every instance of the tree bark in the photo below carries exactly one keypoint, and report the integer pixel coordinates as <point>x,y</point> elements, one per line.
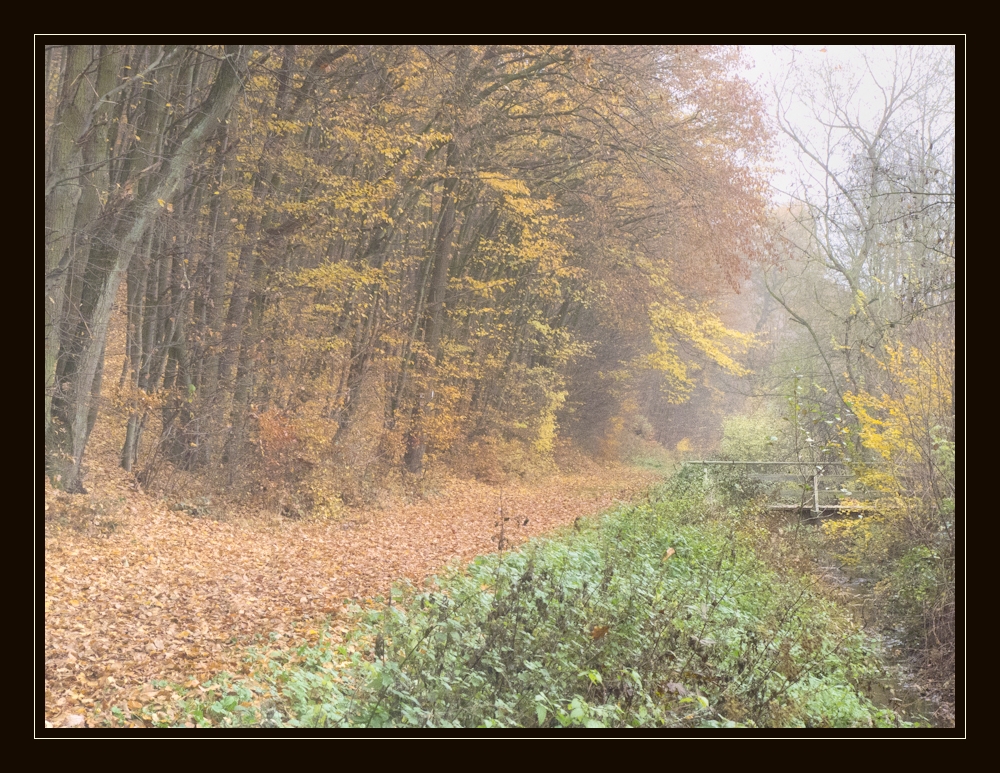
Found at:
<point>132,230</point>
<point>62,183</point>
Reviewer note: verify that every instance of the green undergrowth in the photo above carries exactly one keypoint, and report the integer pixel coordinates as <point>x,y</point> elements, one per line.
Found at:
<point>657,614</point>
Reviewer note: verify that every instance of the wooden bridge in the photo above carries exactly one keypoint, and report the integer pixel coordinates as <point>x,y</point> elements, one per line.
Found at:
<point>818,486</point>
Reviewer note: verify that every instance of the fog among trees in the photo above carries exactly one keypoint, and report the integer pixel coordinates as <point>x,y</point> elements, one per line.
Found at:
<point>312,280</point>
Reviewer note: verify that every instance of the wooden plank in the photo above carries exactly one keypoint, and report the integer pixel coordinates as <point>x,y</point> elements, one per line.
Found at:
<point>807,507</point>
<point>810,465</point>
<point>792,476</point>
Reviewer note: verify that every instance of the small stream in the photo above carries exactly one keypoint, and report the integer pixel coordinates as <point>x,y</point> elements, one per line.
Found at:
<point>896,690</point>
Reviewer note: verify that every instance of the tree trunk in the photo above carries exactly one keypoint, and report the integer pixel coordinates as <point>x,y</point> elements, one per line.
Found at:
<point>63,190</point>
<point>442,256</point>
<point>128,237</point>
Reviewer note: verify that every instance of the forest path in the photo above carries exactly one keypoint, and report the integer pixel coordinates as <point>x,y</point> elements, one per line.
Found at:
<point>173,597</point>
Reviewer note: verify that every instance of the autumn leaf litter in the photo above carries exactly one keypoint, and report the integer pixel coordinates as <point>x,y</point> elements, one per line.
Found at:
<point>157,594</point>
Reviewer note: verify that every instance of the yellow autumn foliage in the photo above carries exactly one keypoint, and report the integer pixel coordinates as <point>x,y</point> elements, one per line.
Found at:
<point>677,322</point>
<point>905,423</point>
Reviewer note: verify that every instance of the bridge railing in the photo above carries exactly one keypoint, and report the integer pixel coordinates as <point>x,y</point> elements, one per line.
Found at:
<point>819,487</point>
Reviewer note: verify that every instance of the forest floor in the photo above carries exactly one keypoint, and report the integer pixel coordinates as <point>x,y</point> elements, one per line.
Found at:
<point>136,592</point>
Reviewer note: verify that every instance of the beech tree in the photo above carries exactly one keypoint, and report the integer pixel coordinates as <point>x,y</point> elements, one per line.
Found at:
<point>73,374</point>
<point>378,254</point>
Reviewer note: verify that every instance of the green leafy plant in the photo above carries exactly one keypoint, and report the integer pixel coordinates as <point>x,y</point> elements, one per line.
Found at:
<point>642,620</point>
